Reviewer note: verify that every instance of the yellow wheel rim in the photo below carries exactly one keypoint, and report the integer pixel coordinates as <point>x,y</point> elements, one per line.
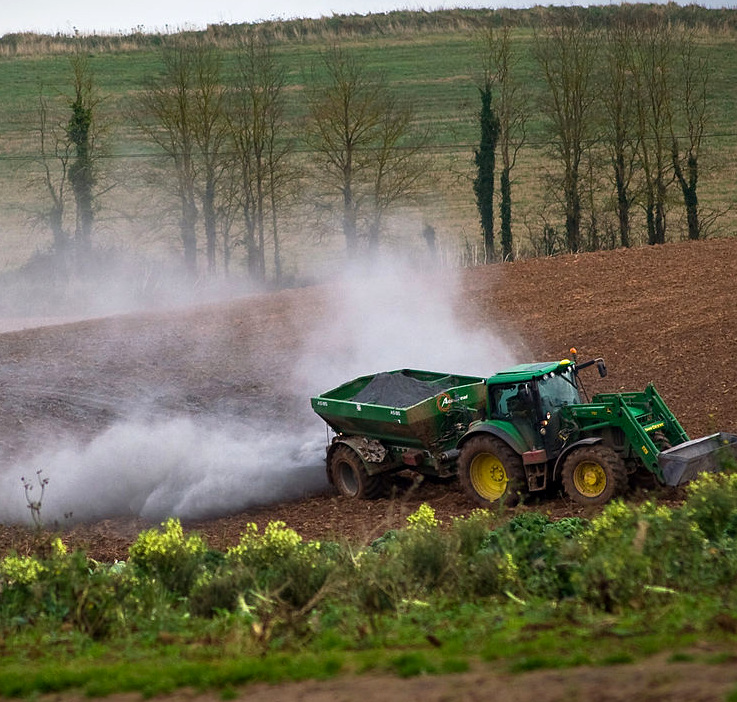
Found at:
<point>488,477</point>
<point>589,478</point>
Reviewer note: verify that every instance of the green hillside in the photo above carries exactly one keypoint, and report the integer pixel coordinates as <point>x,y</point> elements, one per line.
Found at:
<point>430,60</point>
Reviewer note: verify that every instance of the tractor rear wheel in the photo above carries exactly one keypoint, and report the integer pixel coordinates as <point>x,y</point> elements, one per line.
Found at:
<point>593,475</point>
<point>491,471</point>
<point>349,475</point>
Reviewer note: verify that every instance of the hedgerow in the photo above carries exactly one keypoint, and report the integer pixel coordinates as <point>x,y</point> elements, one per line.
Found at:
<point>277,589</point>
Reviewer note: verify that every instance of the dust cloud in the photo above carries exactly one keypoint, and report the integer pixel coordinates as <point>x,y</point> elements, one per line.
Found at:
<point>394,316</point>
<point>202,466</point>
<point>176,467</point>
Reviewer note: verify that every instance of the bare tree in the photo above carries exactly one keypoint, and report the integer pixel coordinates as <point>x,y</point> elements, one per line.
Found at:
<point>398,169</point>
<point>346,110</point>
<point>619,99</point>
<point>209,128</point>
<point>652,71</point>
<point>263,150</point>
<point>55,149</point>
<point>567,55</point>
<point>688,117</point>
<point>69,151</point>
<point>367,146</point>
<point>168,107</point>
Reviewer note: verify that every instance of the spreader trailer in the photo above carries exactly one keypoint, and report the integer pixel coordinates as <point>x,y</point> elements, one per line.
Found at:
<point>523,430</point>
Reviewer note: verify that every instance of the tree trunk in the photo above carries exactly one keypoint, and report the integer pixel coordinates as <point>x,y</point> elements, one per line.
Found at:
<point>189,235</point>
<point>373,238</point>
<point>349,221</point>
<point>277,248</point>
<point>623,205</point>
<point>260,205</point>
<point>210,220</point>
<point>573,213</point>
<point>660,212</point>
<point>688,188</point>
<point>251,244</point>
<point>81,175</point>
<point>505,208</point>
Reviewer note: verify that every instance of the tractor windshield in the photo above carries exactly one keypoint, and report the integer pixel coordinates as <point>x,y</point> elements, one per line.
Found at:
<point>557,390</point>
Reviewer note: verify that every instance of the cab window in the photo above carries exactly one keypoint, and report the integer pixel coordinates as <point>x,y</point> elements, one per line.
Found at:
<point>506,401</point>
<point>558,390</point>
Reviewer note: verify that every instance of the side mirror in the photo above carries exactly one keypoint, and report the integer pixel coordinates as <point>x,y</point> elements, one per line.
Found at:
<point>602,368</point>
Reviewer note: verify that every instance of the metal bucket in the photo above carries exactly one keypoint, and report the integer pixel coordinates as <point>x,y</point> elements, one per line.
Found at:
<point>705,455</point>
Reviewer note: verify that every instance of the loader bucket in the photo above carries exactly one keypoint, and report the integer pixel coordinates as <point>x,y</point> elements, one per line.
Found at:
<point>705,455</point>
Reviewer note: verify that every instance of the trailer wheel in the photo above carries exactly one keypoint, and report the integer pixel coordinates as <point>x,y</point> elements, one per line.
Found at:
<point>491,471</point>
<point>350,477</point>
<point>593,475</point>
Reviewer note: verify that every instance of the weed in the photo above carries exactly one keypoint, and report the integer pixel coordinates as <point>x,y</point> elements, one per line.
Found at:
<point>170,557</point>
<point>472,531</point>
<point>408,665</point>
<point>35,505</point>
<point>711,504</point>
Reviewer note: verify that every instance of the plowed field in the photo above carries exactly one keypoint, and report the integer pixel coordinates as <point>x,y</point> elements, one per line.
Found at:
<point>662,314</point>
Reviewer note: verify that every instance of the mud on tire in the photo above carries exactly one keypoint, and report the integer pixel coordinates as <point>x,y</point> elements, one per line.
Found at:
<point>490,471</point>
<point>593,475</point>
<point>348,474</point>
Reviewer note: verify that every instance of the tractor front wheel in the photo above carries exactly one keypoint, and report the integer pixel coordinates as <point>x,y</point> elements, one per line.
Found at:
<point>490,471</point>
<point>593,475</point>
<point>350,477</point>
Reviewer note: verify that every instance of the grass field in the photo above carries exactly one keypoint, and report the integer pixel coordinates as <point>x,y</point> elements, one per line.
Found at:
<point>435,72</point>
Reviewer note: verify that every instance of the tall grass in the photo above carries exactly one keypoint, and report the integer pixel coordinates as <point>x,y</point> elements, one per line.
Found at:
<point>397,23</point>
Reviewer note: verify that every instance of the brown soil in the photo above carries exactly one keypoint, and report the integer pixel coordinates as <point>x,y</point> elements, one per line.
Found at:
<point>661,314</point>
<point>654,680</point>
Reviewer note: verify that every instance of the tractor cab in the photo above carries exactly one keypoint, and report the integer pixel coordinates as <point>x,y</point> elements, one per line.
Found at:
<point>525,401</point>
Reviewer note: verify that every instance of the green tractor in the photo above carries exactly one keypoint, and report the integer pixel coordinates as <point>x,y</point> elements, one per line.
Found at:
<point>538,431</point>
<point>523,430</point>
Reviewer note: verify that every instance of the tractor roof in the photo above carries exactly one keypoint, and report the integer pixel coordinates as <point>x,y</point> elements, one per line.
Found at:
<point>528,371</point>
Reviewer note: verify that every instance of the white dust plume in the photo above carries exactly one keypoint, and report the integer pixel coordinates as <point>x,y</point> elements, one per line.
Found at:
<point>190,467</point>
<point>176,467</point>
<point>399,316</point>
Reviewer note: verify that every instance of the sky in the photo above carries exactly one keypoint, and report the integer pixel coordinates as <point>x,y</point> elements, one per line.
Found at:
<point>114,16</point>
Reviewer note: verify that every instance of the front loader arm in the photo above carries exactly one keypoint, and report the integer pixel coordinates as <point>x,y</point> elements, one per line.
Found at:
<point>639,415</point>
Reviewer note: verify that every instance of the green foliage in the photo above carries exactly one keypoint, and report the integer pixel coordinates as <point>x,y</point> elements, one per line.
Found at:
<point>266,572</point>
<point>423,520</point>
<point>168,556</point>
<point>532,591</point>
<point>21,571</point>
<point>485,159</point>
<point>528,555</point>
<point>407,564</point>
<point>711,504</point>
<point>411,664</point>
<point>63,588</point>
<point>610,571</point>
<point>472,531</point>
